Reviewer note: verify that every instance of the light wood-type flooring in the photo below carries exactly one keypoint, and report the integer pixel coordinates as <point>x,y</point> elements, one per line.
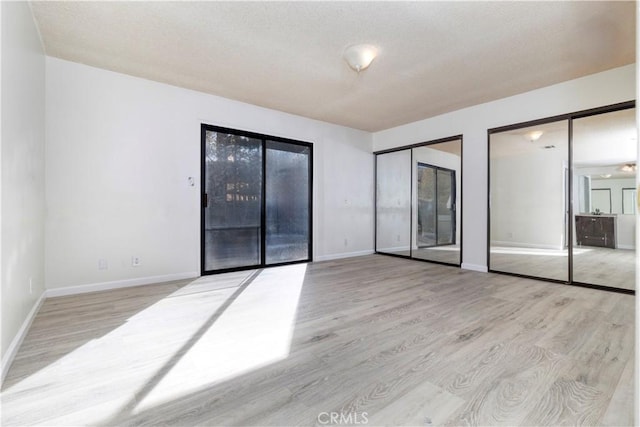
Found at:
<point>375,338</point>
<point>615,268</point>
<point>449,254</point>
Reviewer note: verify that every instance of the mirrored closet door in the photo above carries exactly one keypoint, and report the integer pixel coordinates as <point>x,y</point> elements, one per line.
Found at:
<point>393,203</point>
<point>528,201</point>
<point>604,165</point>
<point>437,171</point>
<point>560,192</point>
<point>418,201</point>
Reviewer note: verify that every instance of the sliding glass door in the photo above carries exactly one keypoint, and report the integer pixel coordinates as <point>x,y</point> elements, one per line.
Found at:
<point>256,202</point>
<point>233,201</point>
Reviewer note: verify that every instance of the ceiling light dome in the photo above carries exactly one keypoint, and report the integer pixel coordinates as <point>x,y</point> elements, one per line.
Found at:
<point>533,136</point>
<point>359,56</point>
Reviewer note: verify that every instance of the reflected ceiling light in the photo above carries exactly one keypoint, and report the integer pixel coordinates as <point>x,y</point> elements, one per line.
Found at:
<point>605,175</point>
<point>629,167</point>
<point>359,56</point>
<point>534,135</point>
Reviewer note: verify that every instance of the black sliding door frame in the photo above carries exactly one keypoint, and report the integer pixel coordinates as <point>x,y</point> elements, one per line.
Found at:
<point>569,117</point>
<point>263,203</point>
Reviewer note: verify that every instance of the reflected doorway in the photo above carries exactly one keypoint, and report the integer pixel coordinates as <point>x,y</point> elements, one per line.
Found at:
<point>436,206</point>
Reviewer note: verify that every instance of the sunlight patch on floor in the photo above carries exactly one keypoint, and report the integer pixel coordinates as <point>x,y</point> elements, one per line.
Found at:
<point>108,372</point>
<point>254,331</point>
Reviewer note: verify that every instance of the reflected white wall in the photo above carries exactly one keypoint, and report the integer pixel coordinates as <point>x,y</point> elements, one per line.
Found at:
<point>527,190</point>
<point>393,201</point>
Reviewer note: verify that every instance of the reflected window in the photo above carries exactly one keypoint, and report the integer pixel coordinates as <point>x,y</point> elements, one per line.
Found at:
<point>629,201</point>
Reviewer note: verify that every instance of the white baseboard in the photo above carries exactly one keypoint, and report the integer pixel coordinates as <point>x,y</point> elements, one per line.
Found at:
<point>11,352</point>
<point>342,255</point>
<point>524,245</point>
<point>395,249</point>
<point>73,290</point>
<point>474,267</point>
<point>116,284</point>
<point>630,247</point>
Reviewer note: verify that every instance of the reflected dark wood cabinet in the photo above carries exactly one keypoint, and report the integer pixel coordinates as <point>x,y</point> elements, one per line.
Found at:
<point>596,230</point>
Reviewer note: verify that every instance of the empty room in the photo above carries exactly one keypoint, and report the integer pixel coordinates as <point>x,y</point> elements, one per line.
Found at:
<point>318,213</point>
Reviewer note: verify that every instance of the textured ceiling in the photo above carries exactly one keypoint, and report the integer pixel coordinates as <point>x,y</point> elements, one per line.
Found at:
<point>434,57</point>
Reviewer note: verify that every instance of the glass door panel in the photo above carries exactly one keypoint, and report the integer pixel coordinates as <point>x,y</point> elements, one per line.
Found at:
<point>287,202</point>
<point>604,154</point>
<point>529,201</point>
<point>232,209</point>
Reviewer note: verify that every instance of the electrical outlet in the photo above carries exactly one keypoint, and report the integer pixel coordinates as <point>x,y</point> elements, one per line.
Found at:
<point>135,261</point>
<point>346,242</point>
<point>102,264</point>
<point>30,285</point>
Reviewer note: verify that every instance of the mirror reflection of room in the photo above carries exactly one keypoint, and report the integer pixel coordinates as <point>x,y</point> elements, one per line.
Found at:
<point>531,199</point>
<point>528,220</point>
<point>418,202</point>
<point>393,202</point>
<point>604,172</point>
<point>436,195</point>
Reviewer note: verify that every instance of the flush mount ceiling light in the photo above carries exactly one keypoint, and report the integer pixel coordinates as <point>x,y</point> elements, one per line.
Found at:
<point>629,167</point>
<point>534,135</point>
<point>359,56</point>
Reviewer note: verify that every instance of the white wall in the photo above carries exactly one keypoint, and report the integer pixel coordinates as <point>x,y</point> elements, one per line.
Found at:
<point>119,153</point>
<point>23,137</point>
<point>609,87</point>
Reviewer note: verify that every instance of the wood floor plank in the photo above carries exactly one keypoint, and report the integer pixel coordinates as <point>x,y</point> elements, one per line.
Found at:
<point>406,342</point>
<point>616,414</point>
